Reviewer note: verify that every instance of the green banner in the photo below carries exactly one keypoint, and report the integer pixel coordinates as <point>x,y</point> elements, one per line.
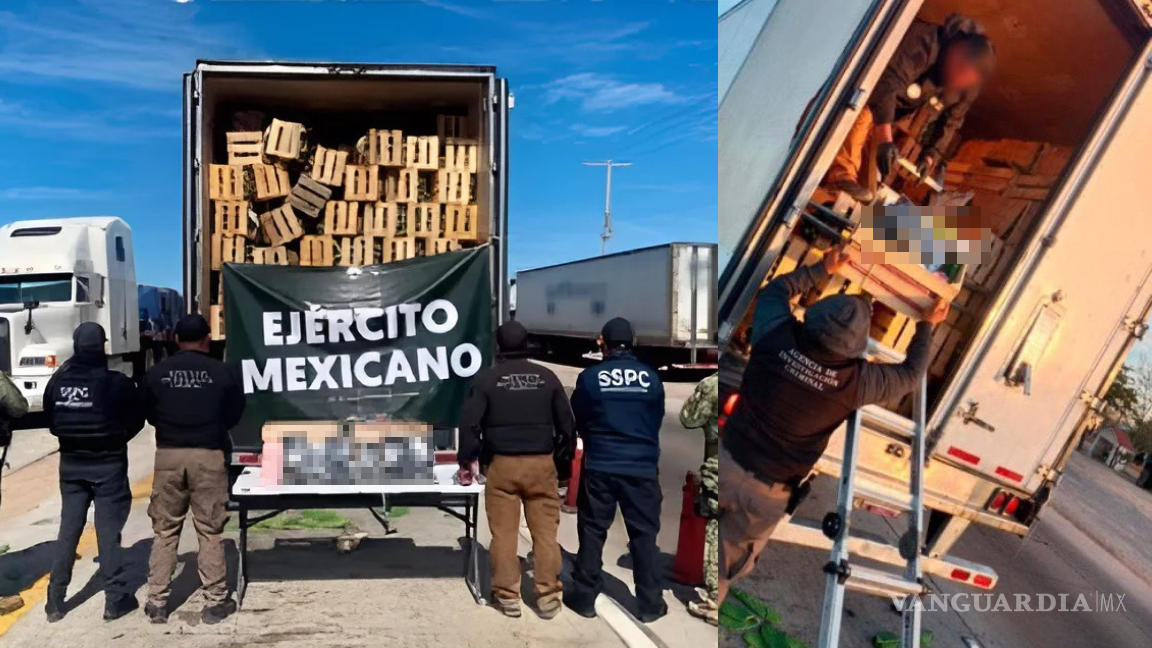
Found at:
<point>397,341</point>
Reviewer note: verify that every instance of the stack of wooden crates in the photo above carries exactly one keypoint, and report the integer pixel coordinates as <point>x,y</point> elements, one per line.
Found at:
<point>1010,181</point>
<point>389,197</point>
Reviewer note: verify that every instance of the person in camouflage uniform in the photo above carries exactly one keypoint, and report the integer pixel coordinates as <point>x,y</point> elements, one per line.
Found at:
<point>702,410</point>
<point>12,405</point>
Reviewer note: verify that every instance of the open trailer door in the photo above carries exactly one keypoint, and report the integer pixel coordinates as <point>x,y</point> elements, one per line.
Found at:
<point>777,114</point>
<point>1066,312</point>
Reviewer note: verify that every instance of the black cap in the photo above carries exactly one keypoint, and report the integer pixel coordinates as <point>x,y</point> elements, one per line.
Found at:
<point>192,328</point>
<point>89,337</point>
<point>617,332</point>
<point>512,337</point>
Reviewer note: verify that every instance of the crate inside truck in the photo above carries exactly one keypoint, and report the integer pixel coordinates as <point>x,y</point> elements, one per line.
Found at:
<point>331,165</point>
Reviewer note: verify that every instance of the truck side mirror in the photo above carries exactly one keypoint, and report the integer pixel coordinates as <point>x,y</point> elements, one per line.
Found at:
<point>30,306</point>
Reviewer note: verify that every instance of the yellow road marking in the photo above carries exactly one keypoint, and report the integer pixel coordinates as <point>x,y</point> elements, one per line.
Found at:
<point>38,592</point>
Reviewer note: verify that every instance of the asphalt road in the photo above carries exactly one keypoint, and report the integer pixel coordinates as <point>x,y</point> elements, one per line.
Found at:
<point>1058,558</point>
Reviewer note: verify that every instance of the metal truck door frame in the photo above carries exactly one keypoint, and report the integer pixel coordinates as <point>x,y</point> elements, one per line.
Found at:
<point>191,188</point>
<point>982,416</point>
<point>500,105</point>
<point>827,120</point>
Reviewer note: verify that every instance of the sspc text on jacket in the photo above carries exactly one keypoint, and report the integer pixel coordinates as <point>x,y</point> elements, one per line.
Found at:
<point>619,407</point>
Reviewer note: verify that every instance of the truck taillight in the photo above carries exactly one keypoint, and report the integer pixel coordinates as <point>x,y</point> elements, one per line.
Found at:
<point>961,575</point>
<point>50,361</point>
<point>248,458</point>
<point>982,581</point>
<point>997,503</point>
<point>1013,504</point>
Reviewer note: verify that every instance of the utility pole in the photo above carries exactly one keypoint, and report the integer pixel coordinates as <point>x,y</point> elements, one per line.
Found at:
<point>607,233</point>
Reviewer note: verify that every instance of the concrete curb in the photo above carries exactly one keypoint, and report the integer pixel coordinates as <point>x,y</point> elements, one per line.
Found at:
<point>631,631</point>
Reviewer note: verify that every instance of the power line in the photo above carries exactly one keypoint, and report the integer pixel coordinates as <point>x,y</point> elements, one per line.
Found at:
<point>607,232</point>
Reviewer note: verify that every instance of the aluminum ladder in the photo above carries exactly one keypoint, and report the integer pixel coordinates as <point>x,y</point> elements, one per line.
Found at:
<point>842,574</point>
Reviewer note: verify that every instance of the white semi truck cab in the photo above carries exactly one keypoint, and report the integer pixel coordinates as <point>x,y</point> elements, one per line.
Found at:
<point>55,274</point>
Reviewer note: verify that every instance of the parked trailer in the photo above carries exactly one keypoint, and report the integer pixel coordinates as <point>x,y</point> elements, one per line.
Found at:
<point>345,100</point>
<point>1074,295</point>
<point>665,291</point>
<point>55,274</point>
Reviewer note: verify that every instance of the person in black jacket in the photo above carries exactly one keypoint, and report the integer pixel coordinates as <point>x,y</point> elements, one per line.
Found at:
<point>802,381</point>
<point>619,408</point>
<point>192,400</point>
<point>943,66</point>
<point>94,412</point>
<point>517,415</point>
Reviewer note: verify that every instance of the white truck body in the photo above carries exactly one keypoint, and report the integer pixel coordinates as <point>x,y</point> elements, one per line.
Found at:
<point>667,292</point>
<point>78,270</point>
<point>1079,289</point>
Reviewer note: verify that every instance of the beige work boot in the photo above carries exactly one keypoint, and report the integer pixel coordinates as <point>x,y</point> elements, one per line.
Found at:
<point>11,603</point>
<point>509,607</point>
<point>706,608</point>
<point>549,607</point>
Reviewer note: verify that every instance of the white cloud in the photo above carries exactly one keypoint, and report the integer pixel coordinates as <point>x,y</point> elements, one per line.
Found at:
<point>50,193</point>
<point>133,43</point>
<point>597,131</point>
<point>602,93</point>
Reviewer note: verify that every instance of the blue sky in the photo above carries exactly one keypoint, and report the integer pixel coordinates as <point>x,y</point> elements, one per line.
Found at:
<point>90,101</point>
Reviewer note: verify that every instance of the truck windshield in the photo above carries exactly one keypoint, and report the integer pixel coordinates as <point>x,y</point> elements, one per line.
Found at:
<point>38,288</point>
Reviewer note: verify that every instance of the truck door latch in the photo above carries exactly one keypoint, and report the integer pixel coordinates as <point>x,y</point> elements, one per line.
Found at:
<point>968,415</point>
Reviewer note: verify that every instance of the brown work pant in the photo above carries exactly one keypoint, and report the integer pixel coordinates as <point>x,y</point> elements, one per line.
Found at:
<point>196,478</point>
<point>850,158</point>
<point>531,479</point>
<point>749,512</point>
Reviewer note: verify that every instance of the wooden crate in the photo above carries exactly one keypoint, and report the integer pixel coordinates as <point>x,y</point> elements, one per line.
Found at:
<point>270,181</point>
<point>342,218</point>
<point>440,246</point>
<point>281,225</point>
<point>328,166</point>
<point>278,255</point>
<point>284,140</point>
<point>402,185</point>
<point>380,219</point>
<point>317,251</point>
<point>385,148</point>
<point>228,249</point>
<point>451,126</point>
<point>225,182</point>
<point>453,187</point>
<point>424,219</point>
<point>422,152</point>
<point>401,248</point>
<point>462,222</point>
<point>460,155</point>
<point>362,183</point>
<point>358,250</point>
<point>245,148</point>
<point>308,196</point>
<point>230,217</point>
<point>216,321</point>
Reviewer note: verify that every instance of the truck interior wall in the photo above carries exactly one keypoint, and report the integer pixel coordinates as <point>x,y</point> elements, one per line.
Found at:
<point>336,111</point>
<point>1057,68</point>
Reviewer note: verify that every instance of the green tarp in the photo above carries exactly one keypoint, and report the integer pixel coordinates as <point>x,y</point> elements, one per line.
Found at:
<point>397,340</point>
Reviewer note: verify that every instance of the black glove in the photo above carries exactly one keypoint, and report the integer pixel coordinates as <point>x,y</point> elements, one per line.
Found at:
<point>886,157</point>
<point>926,165</point>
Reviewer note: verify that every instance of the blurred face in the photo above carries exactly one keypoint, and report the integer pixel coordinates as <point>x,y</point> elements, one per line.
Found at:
<point>960,70</point>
